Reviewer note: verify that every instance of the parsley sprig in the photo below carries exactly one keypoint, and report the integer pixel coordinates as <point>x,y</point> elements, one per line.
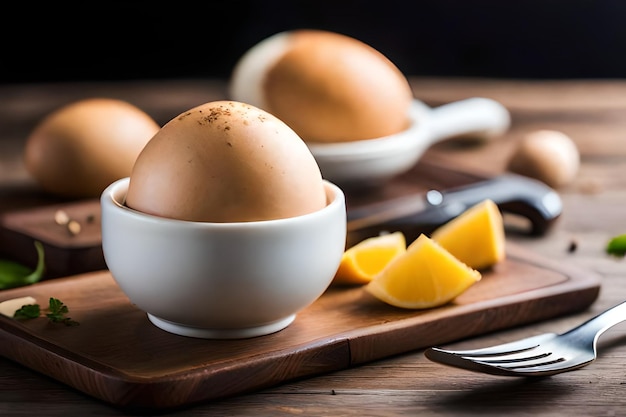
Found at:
<point>56,312</point>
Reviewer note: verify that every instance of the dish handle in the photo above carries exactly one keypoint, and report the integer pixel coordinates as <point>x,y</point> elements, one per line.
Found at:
<point>475,118</point>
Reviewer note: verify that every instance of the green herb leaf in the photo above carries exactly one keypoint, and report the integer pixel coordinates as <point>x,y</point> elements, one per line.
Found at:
<point>13,274</point>
<point>56,310</point>
<point>55,313</point>
<point>29,311</point>
<point>617,245</point>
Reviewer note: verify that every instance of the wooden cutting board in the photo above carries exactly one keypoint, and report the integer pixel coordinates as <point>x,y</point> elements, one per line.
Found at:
<point>118,356</point>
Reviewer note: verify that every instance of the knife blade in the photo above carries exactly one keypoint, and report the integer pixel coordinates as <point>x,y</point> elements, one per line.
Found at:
<point>423,213</point>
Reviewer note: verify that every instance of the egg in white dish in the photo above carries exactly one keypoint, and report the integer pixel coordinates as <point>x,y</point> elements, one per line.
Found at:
<point>327,86</point>
<point>225,162</point>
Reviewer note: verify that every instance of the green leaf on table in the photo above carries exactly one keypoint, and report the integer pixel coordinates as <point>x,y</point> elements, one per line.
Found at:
<point>29,311</point>
<point>14,274</point>
<point>617,245</point>
<point>56,312</point>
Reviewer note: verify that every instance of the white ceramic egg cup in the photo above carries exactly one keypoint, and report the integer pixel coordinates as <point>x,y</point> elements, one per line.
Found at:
<point>222,280</point>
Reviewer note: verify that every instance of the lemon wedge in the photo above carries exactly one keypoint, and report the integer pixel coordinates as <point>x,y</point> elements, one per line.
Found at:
<point>360,263</point>
<point>476,237</point>
<point>425,276</point>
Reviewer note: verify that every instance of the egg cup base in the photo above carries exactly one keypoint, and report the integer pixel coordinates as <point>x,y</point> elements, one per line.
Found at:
<point>208,333</point>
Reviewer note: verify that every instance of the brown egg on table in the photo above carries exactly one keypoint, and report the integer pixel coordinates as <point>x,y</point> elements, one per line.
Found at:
<point>226,161</point>
<point>81,148</point>
<point>547,155</point>
<point>327,86</point>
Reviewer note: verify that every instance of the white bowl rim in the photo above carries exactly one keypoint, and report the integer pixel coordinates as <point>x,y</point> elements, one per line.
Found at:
<point>399,142</point>
<point>108,198</point>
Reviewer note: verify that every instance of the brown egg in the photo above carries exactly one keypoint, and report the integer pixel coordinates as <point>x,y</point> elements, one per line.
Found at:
<point>546,155</point>
<point>226,161</point>
<point>327,86</point>
<point>81,148</point>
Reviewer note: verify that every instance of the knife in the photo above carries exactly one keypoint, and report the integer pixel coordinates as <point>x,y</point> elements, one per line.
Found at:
<point>423,213</point>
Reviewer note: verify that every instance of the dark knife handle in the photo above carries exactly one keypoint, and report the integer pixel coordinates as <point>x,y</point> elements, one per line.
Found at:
<point>514,194</point>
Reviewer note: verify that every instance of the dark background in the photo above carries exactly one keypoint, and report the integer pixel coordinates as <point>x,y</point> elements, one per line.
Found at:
<point>149,40</point>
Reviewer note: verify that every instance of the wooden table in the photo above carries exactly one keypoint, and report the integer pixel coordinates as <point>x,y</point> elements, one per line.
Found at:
<point>591,112</point>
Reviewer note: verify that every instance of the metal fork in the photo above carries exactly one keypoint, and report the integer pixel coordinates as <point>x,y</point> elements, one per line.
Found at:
<point>541,355</point>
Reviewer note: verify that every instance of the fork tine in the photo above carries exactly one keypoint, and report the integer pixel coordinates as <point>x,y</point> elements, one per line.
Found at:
<point>551,368</point>
<point>503,349</point>
<point>437,355</point>
<point>532,371</point>
<point>477,359</point>
<point>537,353</point>
<point>533,361</point>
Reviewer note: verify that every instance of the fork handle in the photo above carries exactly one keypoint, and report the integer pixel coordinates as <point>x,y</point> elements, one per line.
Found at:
<point>602,322</point>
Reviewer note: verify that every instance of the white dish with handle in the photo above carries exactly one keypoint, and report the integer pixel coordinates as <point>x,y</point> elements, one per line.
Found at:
<point>373,161</point>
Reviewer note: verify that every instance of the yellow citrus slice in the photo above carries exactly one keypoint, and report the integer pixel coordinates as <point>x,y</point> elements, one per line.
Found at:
<point>363,261</point>
<point>425,276</point>
<point>476,237</point>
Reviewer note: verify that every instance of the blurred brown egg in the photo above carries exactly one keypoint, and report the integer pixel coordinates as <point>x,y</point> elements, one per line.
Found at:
<point>547,155</point>
<point>226,161</point>
<point>327,86</point>
<point>81,148</point>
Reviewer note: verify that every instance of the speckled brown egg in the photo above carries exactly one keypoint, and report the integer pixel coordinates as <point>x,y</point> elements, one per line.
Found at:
<point>79,149</point>
<point>327,86</point>
<point>226,161</point>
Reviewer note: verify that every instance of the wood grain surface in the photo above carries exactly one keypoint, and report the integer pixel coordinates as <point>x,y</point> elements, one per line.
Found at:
<point>590,111</point>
